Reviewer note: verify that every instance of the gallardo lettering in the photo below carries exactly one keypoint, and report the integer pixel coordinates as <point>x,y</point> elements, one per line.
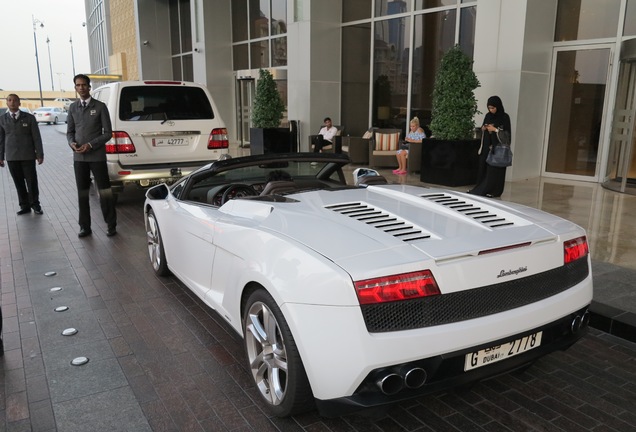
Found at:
<point>504,273</point>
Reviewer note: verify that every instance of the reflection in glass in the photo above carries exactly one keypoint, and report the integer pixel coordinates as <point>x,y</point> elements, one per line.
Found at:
<point>391,7</point>
<point>434,34</point>
<point>259,18</point>
<point>356,61</point>
<point>188,68</point>
<point>240,57</point>
<point>630,23</point>
<point>390,72</point>
<point>176,69</point>
<point>427,4</point>
<point>180,26</point>
<point>353,10</point>
<point>279,51</point>
<point>468,17</point>
<point>259,54</point>
<point>239,21</point>
<point>586,19</point>
<point>577,111</point>
<point>279,17</point>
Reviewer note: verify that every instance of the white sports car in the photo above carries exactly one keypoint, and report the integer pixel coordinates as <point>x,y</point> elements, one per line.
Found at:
<point>355,296</point>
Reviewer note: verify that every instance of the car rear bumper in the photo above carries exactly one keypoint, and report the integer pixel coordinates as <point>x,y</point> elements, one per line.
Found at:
<point>447,371</point>
<point>146,175</point>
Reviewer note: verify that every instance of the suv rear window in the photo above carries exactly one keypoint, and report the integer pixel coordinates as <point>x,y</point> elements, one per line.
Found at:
<point>142,103</point>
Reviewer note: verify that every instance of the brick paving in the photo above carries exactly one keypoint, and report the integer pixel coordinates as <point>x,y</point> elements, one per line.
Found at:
<point>159,360</point>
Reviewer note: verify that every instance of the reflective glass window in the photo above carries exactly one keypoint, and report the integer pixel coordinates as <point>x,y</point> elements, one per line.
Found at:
<point>279,17</point>
<point>279,51</point>
<point>427,4</point>
<point>390,72</point>
<point>239,21</point>
<point>356,63</point>
<point>259,54</point>
<point>353,10</point>
<point>467,20</point>
<point>391,7</point>
<point>586,19</point>
<point>434,34</point>
<point>241,57</point>
<point>630,19</point>
<point>259,18</point>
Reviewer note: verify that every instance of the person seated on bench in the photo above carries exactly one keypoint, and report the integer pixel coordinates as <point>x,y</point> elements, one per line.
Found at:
<point>326,136</point>
<point>415,134</point>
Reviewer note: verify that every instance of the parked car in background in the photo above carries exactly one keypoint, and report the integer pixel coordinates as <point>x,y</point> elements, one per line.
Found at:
<point>354,296</point>
<point>66,102</point>
<point>162,130</point>
<point>50,115</point>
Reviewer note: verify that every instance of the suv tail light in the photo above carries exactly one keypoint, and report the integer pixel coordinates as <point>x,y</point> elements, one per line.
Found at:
<point>575,249</point>
<point>120,143</point>
<point>397,287</point>
<point>218,139</point>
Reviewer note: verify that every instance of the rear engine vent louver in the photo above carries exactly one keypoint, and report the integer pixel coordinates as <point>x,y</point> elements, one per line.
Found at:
<point>381,220</point>
<point>471,210</point>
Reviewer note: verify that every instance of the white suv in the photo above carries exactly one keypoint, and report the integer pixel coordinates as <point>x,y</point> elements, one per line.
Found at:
<point>162,130</point>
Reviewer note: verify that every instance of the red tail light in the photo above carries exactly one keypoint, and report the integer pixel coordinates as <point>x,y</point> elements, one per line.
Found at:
<point>218,139</point>
<point>397,287</point>
<point>575,249</point>
<point>120,143</point>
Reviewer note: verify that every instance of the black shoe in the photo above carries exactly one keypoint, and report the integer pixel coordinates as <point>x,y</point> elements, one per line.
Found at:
<point>38,210</point>
<point>84,232</point>
<point>111,231</point>
<point>24,211</point>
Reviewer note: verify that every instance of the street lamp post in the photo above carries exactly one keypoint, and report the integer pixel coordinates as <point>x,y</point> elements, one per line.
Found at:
<point>37,60</point>
<point>48,47</point>
<point>72,53</point>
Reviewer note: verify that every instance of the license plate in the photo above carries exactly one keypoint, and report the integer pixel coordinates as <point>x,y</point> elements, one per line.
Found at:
<point>501,352</point>
<point>167,142</point>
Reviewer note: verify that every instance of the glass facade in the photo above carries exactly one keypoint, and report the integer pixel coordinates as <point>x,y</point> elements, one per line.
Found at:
<point>181,40</point>
<point>259,29</point>
<point>407,43</point>
<point>586,19</point>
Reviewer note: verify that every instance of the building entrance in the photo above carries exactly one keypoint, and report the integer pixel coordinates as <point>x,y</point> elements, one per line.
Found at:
<point>621,163</point>
<point>245,92</point>
<point>579,92</point>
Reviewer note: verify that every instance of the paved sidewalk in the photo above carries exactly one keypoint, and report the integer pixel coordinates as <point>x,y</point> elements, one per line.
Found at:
<point>157,357</point>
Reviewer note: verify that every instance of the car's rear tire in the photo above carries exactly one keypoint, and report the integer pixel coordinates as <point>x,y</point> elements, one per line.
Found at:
<point>155,246</point>
<point>55,121</point>
<point>273,358</point>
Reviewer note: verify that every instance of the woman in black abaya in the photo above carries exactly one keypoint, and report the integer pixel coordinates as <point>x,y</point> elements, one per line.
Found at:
<point>491,180</point>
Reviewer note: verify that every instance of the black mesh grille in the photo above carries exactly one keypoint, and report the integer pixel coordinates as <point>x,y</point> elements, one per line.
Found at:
<point>474,303</point>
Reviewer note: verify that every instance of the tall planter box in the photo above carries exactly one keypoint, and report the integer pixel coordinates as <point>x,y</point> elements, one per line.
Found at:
<point>450,162</point>
<point>271,140</point>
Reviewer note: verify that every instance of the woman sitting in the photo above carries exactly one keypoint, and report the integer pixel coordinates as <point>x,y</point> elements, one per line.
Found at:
<point>415,135</point>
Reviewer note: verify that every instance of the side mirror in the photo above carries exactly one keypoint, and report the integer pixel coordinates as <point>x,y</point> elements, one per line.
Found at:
<point>367,176</point>
<point>158,192</point>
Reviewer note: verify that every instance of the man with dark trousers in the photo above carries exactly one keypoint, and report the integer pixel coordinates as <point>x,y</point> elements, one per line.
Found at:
<point>89,129</point>
<point>21,146</point>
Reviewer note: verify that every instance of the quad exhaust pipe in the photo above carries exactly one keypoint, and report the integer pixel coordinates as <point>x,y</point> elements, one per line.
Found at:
<point>391,383</point>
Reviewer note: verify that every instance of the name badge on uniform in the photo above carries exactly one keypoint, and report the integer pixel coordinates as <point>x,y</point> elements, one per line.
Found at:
<point>93,112</point>
<point>25,125</point>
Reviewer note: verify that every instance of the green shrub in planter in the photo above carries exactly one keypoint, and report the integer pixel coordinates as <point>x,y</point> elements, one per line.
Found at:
<point>268,105</point>
<point>454,103</point>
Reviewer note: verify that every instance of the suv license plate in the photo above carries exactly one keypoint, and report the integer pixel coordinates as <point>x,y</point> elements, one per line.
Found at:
<point>168,142</point>
<point>501,352</point>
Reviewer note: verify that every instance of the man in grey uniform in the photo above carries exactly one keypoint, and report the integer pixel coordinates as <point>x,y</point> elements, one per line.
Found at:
<point>89,129</point>
<point>21,146</point>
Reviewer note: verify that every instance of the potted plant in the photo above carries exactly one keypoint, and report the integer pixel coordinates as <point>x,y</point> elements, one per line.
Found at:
<point>266,136</point>
<point>450,158</point>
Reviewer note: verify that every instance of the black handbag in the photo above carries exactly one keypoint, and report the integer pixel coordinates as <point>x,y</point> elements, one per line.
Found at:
<point>500,154</point>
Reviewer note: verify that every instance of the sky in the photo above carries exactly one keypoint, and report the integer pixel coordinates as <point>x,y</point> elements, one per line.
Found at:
<point>62,19</point>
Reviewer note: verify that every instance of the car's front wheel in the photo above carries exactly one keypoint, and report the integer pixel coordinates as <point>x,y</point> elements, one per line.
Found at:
<point>155,246</point>
<point>273,358</point>
<point>55,120</point>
